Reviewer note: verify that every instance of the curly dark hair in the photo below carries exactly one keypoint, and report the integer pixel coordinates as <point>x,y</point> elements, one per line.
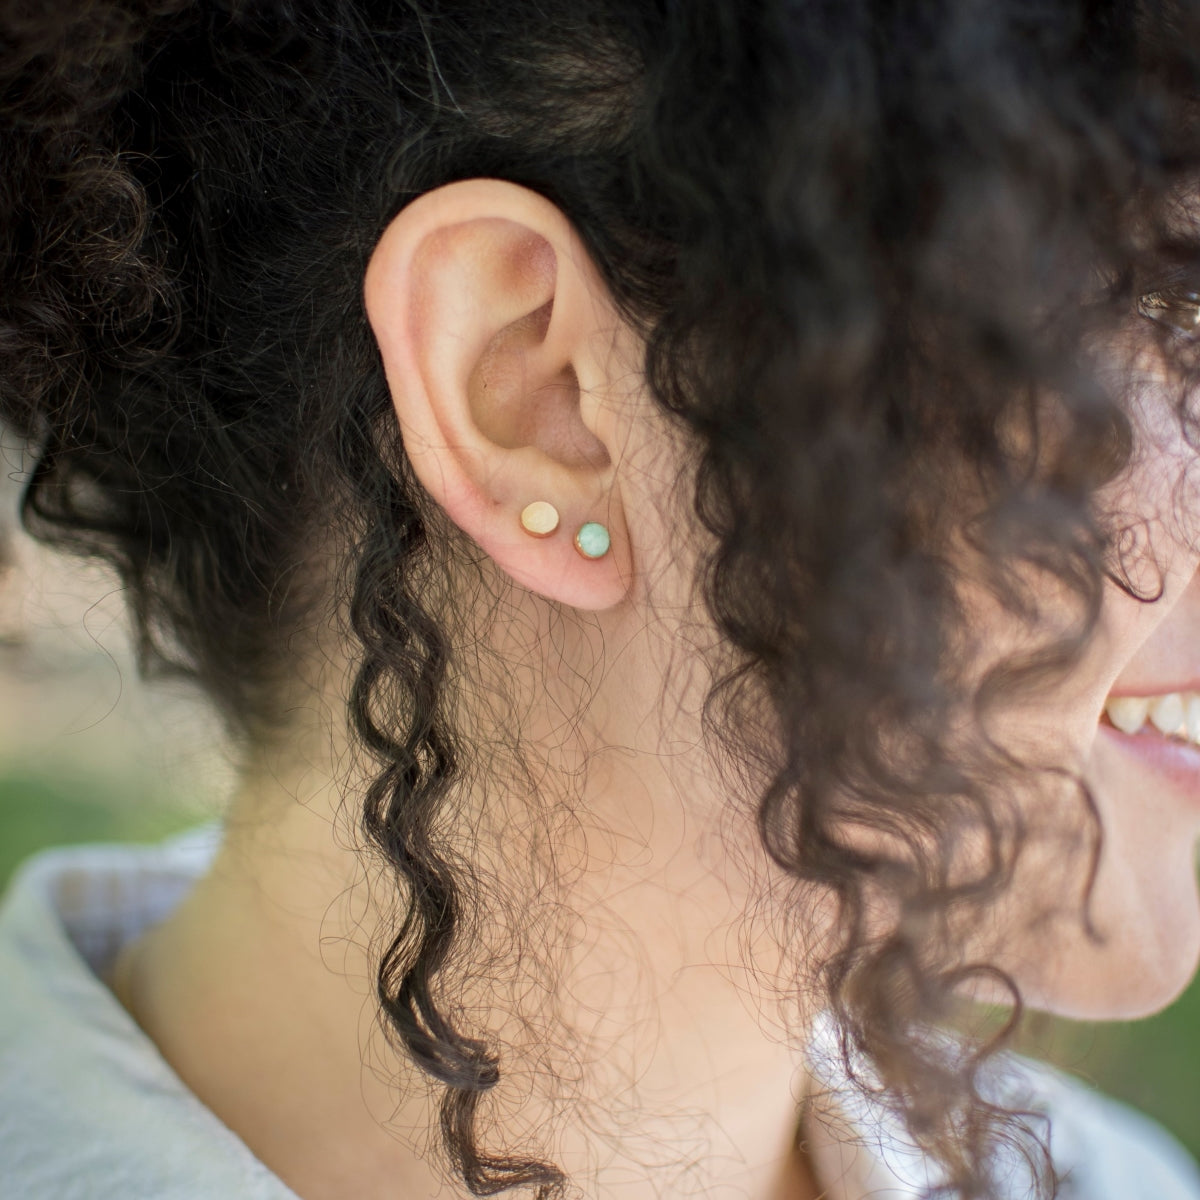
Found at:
<point>865,243</point>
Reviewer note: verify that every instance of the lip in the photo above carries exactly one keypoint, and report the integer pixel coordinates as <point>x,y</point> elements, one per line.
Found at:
<point>1145,692</point>
<point>1175,763</point>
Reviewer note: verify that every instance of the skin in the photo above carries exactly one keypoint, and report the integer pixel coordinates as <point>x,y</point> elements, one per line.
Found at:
<point>514,379</point>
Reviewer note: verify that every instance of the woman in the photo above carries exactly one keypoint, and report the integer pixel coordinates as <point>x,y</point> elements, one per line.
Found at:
<point>687,510</point>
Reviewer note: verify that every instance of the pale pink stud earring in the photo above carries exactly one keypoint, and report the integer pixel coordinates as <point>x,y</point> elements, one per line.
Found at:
<point>539,519</point>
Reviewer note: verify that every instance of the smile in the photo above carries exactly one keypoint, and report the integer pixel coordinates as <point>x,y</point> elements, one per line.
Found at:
<point>1174,714</point>
<point>1161,734</point>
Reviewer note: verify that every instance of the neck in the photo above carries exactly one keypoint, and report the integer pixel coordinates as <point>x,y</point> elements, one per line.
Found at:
<point>634,1051</point>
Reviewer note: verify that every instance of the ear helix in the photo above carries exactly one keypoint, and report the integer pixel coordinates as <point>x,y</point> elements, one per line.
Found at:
<point>540,520</point>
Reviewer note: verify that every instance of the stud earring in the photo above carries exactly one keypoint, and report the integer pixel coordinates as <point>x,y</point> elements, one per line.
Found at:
<point>592,540</point>
<point>539,519</point>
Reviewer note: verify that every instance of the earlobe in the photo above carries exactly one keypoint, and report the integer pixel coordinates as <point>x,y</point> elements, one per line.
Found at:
<point>506,362</point>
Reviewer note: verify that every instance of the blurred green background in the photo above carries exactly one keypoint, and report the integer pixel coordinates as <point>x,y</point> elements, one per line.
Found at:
<point>39,810</point>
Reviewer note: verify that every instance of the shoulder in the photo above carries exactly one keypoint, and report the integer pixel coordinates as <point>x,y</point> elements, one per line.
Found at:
<point>1104,1148</point>
<point>1101,1148</point>
<point>88,1107</point>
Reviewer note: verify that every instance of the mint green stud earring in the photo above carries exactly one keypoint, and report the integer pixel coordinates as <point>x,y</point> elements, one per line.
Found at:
<point>592,540</point>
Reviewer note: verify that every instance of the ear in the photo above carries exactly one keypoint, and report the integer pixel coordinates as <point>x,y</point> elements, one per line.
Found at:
<point>510,371</point>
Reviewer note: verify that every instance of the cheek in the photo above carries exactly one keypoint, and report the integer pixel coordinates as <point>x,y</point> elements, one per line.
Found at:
<point>1145,913</point>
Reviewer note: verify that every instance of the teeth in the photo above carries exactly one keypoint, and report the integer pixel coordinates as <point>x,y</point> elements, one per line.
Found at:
<point>1167,713</point>
<point>1174,714</point>
<point>1127,713</point>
